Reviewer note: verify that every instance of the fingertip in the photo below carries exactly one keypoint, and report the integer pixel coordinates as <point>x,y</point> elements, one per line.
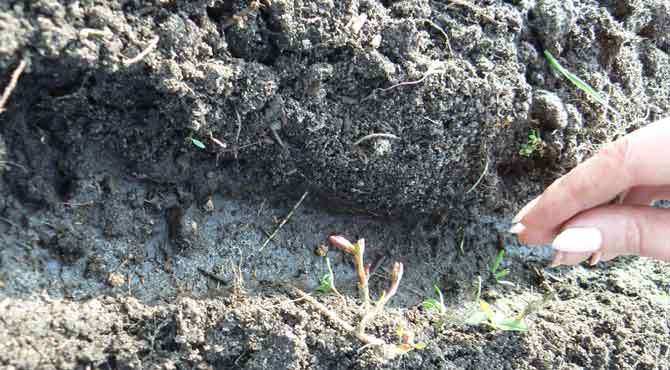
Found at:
<point>524,211</point>
<point>517,228</point>
<point>535,237</point>
<point>568,259</point>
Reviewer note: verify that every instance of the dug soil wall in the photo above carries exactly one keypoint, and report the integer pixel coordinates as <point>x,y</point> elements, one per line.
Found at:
<point>170,169</point>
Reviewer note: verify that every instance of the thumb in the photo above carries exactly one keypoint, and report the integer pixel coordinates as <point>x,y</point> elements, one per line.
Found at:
<point>612,231</point>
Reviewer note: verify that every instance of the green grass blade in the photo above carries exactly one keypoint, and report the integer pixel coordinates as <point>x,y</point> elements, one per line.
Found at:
<point>439,294</point>
<point>501,274</point>
<point>497,262</point>
<point>578,82</point>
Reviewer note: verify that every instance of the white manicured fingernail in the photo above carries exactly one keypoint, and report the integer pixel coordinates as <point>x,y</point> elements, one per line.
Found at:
<point>558,259</point>
<point>517,228</point>
<point>578,239</point>
<point>595,258</point>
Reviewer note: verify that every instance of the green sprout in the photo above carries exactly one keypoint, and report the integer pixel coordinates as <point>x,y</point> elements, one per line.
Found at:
<point>407,342</point>
<point>327,283</point>
<point>533,145</point>
<point>495,269</point>
<point>436,305</point>
<point>497,320</point>
<point>198,143</point>
<point>578,82</point>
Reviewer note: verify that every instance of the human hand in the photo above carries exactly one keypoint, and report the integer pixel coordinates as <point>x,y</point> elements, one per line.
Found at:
<point>576,211</point>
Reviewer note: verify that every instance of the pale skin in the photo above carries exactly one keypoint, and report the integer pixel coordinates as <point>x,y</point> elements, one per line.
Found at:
<point>634,171</point>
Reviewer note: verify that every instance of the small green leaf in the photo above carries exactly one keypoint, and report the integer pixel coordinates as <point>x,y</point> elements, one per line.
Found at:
<point>327,283</point>
<point>511,324</point>
<point>501,274</point>
<point>431,304</point>
<point>477,318</point>
<point>421,346</point>
<point>498,261</point>
<point>198,143</point>
<point>486,308</point>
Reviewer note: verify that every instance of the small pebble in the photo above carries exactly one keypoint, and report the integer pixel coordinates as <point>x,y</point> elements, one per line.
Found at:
<point>116,279</point>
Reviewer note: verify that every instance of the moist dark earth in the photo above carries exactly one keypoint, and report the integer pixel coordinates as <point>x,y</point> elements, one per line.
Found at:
<point>151,149</point>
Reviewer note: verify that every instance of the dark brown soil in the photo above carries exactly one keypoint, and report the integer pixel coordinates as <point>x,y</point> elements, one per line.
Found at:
<point>124,245</point>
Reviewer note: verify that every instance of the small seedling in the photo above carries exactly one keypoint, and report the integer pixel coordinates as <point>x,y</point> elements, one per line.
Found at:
<point>578,82</point>
<point>436,305</point>
<point>198,143</point>
<point>534,145</point>
<point>496,320</point>
<point>356,250</point>
<point>407,342</point>
<point>495,269</point>
<point>387,351</point>
<point>327,283</point>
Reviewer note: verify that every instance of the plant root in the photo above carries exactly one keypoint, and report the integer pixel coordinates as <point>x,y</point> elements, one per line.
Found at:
<point>152,45</point>
<point>386,351</point>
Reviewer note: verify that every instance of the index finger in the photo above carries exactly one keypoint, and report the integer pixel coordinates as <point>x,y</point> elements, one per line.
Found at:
<point>639,158</point>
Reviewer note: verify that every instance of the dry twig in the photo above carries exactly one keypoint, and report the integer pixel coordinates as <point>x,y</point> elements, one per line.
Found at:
<point>332,316</point>
<point>433,69</point>
<point>283,222</point>
<point>373,136</point>
<point>12,84</point>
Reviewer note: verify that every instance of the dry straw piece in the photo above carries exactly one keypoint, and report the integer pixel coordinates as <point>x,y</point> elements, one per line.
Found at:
<point>12,84</point>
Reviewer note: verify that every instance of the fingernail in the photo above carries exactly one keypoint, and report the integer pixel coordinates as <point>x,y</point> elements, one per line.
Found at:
<point>621,197</point>
<point>558,259</point>
<point>595,258</point>
<point>517,228</point>
<point>522,213</point>
<point>578,239</point>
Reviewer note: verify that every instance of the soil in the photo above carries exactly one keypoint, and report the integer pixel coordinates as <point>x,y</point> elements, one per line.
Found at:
<point>150,149</point>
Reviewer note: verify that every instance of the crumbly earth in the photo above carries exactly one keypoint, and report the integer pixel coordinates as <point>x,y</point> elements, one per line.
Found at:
<point>151,147</point>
